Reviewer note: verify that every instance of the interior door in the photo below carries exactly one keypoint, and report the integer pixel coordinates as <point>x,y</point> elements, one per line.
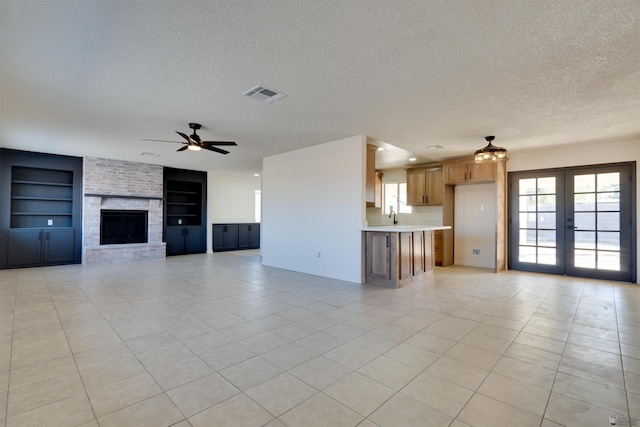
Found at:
<point>574,221</point>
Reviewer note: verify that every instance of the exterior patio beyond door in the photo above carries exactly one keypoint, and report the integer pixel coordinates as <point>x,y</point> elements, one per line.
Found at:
<point>574,221</point>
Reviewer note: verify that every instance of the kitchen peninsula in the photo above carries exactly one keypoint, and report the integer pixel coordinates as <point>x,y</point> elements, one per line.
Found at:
<point>396,255</point>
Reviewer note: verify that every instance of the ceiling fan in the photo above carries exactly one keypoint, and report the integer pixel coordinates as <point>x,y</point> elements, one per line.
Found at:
<point>193,141</point>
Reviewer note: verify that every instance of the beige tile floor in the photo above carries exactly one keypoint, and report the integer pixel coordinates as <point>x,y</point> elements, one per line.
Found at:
<point>220,340</point>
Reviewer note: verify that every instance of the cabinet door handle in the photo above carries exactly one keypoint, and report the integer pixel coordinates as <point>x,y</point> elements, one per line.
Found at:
<point>40,235</point>
<point>469,176</point>
<point>426,199</point>
<point>46,235</point>
<point>387,241</point>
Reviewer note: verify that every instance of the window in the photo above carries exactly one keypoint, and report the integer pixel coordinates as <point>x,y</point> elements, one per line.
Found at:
<point>395,197</point>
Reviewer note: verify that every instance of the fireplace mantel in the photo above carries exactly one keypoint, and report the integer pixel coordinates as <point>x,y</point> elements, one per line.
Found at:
<point>122,196</point>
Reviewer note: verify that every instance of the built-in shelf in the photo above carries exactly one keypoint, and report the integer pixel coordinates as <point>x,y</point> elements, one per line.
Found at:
<point>41,197</point>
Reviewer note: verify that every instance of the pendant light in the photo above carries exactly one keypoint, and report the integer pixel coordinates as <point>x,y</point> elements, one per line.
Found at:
<point>490,153</point>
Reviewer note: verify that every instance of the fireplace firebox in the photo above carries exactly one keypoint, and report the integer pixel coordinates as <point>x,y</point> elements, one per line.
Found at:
<point>119,227</point>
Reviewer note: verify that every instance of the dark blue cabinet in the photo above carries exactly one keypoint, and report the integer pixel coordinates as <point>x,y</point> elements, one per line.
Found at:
<point>232,237</point>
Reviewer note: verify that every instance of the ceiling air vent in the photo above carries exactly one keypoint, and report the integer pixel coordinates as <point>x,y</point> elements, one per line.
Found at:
<point>264,94</point>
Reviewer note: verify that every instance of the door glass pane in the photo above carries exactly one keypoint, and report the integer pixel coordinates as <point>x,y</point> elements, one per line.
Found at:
<point>547,202</point>
<point>608,201</point>
<point>527,186</point>
<point>527,203</point>
<point>547,185</point>
<point>546,256</point>
<point>527,220</point>
<point>585,202</point>
<point>585,221</point>
<point>609,241</point>
<point>527,254</point>
<point>584,258</point>
<point>585,239</point>
<point>609,221</point>
<point>584,183</point>
<point>547,238</point>
<point>547,220</point>
<point>609,261</point>
<point>609,182</point>
<point>528,237</point>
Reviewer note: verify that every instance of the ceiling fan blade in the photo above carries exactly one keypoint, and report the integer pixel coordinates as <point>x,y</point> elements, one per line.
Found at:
<point>219,142</point>
<point>163,140</point>
<point>184,135</point>
<point>217,150</point>
<point>183,148</point>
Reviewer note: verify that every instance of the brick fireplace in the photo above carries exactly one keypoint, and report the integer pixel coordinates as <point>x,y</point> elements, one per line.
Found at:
<point>119,185</point>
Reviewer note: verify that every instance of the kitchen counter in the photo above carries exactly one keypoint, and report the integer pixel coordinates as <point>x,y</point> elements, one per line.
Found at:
<point>405,228</point>
<point>396,255</point>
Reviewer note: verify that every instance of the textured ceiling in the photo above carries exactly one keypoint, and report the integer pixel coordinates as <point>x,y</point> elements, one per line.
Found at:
<point>95,78</point>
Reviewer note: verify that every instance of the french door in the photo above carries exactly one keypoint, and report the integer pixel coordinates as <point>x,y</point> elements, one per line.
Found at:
<point>576,221</point>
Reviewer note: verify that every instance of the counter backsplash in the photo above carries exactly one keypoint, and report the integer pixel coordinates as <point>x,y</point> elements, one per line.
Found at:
<point>420,215</point>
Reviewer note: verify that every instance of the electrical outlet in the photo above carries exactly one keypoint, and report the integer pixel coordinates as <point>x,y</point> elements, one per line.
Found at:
<point>476,251</point>
<point>49,222</point>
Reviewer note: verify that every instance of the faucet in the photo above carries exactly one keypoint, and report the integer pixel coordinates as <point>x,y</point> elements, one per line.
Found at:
<point>395,221</point>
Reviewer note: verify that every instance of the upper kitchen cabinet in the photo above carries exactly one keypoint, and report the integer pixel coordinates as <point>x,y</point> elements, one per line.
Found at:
<point>373,180</point>
<point>425,186</point>
<point>466,171</point>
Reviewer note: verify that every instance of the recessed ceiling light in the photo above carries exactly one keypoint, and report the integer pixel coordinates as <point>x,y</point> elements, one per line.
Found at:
<point>148,154</point>
<point>380,148</point>
<point>256,174</point>
<point>412,159</point>
<point>435,147</point>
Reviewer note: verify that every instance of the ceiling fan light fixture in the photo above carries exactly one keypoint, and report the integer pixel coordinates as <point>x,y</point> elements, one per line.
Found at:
<point>490,153</point>
<point>194,147</point>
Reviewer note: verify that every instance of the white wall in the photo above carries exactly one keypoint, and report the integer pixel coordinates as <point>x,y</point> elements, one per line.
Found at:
<point>230,199</point>
<point>313,202</point>
<point>579,155</point>
<point>475,225</point>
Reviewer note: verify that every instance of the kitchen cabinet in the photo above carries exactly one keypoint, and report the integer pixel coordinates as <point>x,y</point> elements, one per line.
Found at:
<point>425,186</point>
<point>184,211</point>
<point>396,258</point>
<point>371,195</point>
<point>467,171</point>
<point>437,247</point>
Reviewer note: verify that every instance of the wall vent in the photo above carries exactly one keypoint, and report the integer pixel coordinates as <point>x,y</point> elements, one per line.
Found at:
<point>264,94</point>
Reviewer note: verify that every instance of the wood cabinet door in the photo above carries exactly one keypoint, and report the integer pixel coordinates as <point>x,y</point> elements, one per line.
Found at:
<point>370,193</point>
<point>416,187</point>
<point>435,187</point>
<point>405,250</point>
<point>378,257</point>
<point>418,252</point>
<point>455,173</point>
<point>481,172</point>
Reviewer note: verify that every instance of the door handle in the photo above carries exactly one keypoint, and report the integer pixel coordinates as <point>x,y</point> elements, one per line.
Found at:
<point>571,227</point>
